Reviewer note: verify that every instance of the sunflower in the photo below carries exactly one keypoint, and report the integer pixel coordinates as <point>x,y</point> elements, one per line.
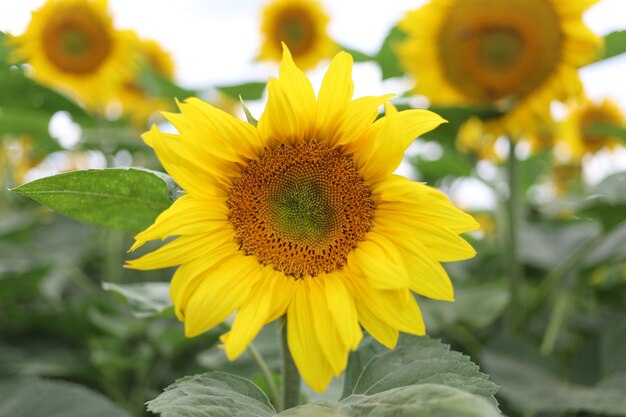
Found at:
<point>72,46</point>
<point>302,216</point>
<point>135,100</point>
<point>516,55</point>
<point>584,130</point>
<point>301,24</point>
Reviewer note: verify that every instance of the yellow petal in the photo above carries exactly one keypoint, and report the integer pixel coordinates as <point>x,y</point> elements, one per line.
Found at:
<point>267,300</point>
<point>342,308</point>
<point>355,122</point>
<point>426,275</point>
<point>289,116</point>
<point>378,155</point>
<point>183,249</point>
<point>188,276</point>
<point>303,342</point>
<point>397,308</point>
<point>328,337</point>
<point>220,293</point>
<point>416,122</point>
<point>187,169</point>
<point>186,216</point>
<point>335,93</point>
<point>380,262</point>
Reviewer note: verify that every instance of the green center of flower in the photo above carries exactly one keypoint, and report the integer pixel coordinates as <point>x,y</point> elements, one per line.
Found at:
<point>500,49</point>
<point>301,209</point>
<point>76,41</point>
<point>493,49</point>
<point>296,29</point>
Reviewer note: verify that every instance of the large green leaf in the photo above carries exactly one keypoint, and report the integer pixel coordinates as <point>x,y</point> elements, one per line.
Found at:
<point>213,394</point>
<point>427,400</point>
<point>127,199</point>
<point>386,57</point>
<point>32,397</point>
<point>146,299</point>
<point>247,91</point>
<point>416,360</point>
<point>614,44</point>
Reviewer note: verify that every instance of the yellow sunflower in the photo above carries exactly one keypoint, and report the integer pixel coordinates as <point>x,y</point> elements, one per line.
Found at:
<point>302,216</point>
<point>582,130</point>
<point>136,102</point>
<point>71,45</point>
<point>301,25</point>
<point>518,55</point>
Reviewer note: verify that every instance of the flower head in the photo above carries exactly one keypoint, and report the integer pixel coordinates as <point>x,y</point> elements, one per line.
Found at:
<point>72,45</point>
<point>517,55</point>
<point>585,129</point>
<point>302,216</point>
<point>301,25</point>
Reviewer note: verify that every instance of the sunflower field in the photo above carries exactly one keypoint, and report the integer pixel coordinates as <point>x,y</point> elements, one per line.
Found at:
<point>295,208</point>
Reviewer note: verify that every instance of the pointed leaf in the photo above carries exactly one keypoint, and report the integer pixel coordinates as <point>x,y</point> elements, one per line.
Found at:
<point>127,199</point>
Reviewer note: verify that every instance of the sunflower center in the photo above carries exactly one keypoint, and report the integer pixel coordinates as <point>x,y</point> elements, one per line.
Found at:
<point>301,209</point>
<point>76,41</point>
<point>493,49</point>
<point>296,29</point>
<point>591,126</point>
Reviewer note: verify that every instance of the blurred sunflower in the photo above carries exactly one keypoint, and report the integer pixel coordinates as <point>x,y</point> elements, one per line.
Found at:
<point>585,129</point>
<point>71,45</point>
<point>136,101</point>
<point>301,216</point>
<point>517,55</point>
<point>301,25</point>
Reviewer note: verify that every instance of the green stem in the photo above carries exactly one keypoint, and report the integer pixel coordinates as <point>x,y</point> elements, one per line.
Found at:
<point>265,370</point>
<point>554,323</point>
<point>290,392</point>
<point>514,267</point>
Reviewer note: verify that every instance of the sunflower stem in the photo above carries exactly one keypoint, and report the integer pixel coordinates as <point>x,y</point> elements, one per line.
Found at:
<point>267,374</point>
<point>513,266</point>
<point>290,389</point>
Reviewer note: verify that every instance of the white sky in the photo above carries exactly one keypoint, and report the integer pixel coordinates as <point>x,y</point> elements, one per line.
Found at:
<point>214,42</point>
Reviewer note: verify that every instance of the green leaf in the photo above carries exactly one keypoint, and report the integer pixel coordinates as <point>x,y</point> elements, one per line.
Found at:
<point>607,201</point>
<point>357,56</point>
<point>247,91</point>
<point>157,85</point>
<point>427,400</point>
<point>249,117</point>
<point>386,56</point>
<point>614,44</point>
<point>529,385</point>
<point>127,199</point>
<point>33,397</point>
<point>415,361</point>
<point>212,394</point>
<point>545,244</point>
<point>146,299</point>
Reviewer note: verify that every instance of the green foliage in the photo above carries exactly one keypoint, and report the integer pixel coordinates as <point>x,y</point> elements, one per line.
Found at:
<point>416,360</point>
<point>386,56</point>
<point>32,397</point>
<point>128,199</point>
<point>614,44</point>
<point>426,400</point>
<point>531,385</point>
<point>213,394</point>
<point>246,91</point>
<point>146,299</point>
